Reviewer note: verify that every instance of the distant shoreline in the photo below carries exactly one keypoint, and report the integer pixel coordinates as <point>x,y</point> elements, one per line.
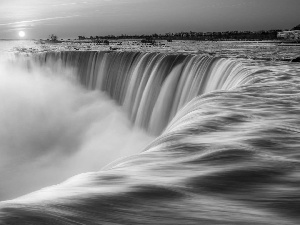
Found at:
<point>281,42</point>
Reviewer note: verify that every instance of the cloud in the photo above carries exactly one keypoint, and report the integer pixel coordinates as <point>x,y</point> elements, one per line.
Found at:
<point>66,4</point>
<point>38,20</point>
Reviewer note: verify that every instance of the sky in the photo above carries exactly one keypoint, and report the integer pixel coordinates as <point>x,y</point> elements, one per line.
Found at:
<point>71,18</point>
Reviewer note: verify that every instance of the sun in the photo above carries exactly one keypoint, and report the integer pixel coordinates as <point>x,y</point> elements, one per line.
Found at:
<point>22,34</point>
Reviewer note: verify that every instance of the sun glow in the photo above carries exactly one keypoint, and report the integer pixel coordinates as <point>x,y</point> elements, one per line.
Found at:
<point>22,34</point>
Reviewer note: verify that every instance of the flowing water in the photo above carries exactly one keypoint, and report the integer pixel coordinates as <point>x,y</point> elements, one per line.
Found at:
<point>226,147</point>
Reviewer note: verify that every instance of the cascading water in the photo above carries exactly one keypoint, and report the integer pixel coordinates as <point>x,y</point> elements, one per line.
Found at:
<point>152,87</point>
<point>228,150</point>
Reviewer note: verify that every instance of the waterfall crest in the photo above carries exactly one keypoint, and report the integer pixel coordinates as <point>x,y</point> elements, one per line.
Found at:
<point>152,87</point>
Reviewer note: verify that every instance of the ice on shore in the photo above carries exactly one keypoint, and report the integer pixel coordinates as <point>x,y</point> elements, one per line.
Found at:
<point>234,49</point>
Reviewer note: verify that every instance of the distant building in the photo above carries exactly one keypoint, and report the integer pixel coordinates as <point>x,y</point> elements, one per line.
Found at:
<point>289,35</point>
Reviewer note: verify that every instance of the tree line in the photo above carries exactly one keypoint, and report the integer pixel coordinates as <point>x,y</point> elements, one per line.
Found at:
<point>228,35</point>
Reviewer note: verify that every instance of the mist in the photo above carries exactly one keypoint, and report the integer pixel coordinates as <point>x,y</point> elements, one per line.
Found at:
<point>51,128</point>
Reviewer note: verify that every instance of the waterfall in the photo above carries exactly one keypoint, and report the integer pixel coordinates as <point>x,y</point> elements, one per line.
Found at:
<point>227,153</point>
<point>152,87</point>
<point>230,155</point>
